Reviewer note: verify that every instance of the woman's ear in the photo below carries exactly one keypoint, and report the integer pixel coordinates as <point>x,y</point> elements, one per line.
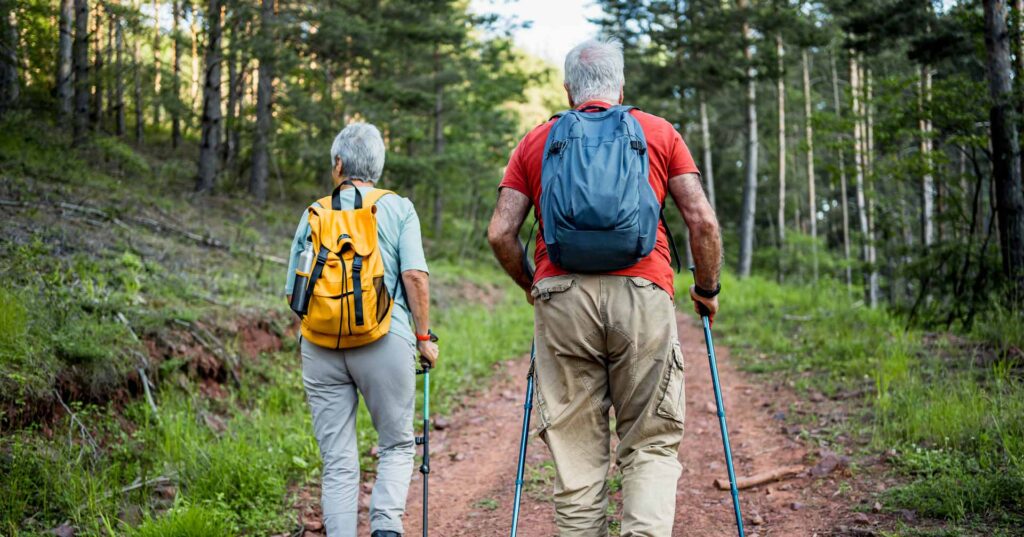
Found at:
<point>338,170</point>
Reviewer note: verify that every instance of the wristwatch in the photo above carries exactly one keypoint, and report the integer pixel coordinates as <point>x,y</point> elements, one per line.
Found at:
<point>429,336</point>
<point>707,294</point>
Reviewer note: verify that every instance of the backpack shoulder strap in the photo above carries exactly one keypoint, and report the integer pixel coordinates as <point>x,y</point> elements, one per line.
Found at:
<point>375,195</point>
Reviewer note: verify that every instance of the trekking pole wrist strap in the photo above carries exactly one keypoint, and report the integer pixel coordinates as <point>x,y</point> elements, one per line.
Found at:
<point>701,292</point>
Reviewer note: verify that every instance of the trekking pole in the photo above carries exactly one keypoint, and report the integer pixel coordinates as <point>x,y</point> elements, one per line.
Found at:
<point>520,467</point>
<point>721,412</point>
<point>425,439</point>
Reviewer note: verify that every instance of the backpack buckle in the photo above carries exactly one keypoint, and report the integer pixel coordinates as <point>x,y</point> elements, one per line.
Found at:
<point>638,146</point>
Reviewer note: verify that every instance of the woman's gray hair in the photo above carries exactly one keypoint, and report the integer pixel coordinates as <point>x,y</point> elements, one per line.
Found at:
<point>361,150</point>
<point>594,70</point>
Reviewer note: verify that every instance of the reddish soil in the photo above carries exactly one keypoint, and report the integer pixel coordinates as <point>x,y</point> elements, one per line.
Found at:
<point>474,457</point>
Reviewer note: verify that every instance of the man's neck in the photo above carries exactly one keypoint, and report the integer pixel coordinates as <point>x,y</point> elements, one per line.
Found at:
<point>356,182</point>
<point>605,102</point>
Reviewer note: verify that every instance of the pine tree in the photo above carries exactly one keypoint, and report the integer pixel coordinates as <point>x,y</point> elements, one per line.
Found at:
<point>210,123</point>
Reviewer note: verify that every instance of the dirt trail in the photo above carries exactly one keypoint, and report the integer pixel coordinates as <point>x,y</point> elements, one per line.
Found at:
<point>473,461</point>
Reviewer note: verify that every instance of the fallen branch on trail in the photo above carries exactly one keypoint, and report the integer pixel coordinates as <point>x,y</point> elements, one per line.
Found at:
<point>762,478</point>
<point>155,225</point>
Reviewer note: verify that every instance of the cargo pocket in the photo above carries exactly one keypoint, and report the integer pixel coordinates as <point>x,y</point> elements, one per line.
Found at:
<point>673,396</point>
<point>553,285</point>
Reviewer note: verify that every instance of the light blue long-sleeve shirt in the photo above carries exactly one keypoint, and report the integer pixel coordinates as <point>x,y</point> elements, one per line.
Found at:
<point>401,248</point>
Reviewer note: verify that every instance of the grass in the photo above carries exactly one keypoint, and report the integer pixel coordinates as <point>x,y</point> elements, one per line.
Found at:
<point>952,412</point>
<point>225,465</point>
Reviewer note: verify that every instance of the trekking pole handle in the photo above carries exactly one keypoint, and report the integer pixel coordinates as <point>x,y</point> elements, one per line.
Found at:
<point>701,308</point>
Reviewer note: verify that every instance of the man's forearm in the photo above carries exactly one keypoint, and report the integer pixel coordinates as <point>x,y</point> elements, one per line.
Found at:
<point>509,252</point>
<point>417,287</point>
<point>503,234</point>
<point>705,237</point>
<point>706,247</point>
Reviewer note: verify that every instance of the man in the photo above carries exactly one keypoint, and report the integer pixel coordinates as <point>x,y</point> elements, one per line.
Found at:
<point>382,371</point>
<point>609,339</point>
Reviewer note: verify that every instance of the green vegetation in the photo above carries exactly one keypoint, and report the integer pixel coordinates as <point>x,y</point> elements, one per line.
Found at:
<point>216,458</point>
<point>952,408</point>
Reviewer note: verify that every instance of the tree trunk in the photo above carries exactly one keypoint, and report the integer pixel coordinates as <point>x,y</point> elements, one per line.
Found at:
<point>1019,62</point>
<point>1006,168</point>
<point>193,92</point>
<point>210,137</point>
<point>238,91</point>
<point>81,67</point>
<point>119,121</point>
<point>750,183</point>
<point>812,201</point>
<point>65,91</point>
<point>869,170</point>
<point>137,91</point>
<point>230,121</point>
<point>97,97</point>
<point>260,156</point>
<point>439,144</point>
<point>705,136</point>
<point>858,157</point>
<point>175,75</point>
<point>780,88</point>
<point>108,60</point>
<point>927,182</point>
<point>9,88</point>
<point>843,188</point>
<point>157,69</point>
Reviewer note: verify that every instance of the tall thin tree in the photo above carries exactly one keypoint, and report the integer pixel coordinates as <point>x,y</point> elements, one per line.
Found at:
<point>81,67</point>
<point>119,121</point>
<point>96,117</point>
<point>812,202</point>
<point>439,145</point>
<point>780,88</point>
<point>750,182</point>
<point>65,92</point>
<point>927,181</point>
<point>157,68</point>
<point>705,138</point>
<point>859,159</point>
<point>9,85</point>
<point>1006,167</point>
<point>844,201</point>
<point>264,93</point>
<point>175,74</point>
<point>210,122</point>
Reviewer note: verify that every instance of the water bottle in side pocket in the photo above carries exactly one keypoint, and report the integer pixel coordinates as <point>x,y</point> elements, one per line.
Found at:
<point>302,270</point>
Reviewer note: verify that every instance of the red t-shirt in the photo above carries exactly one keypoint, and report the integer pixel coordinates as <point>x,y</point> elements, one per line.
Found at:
<point>668,157</point>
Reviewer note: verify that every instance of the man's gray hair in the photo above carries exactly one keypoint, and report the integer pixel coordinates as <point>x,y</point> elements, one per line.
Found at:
<point>594,70</point>
<point>361,150</point>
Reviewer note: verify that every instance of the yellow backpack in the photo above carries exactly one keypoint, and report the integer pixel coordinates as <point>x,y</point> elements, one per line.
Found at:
<point>348,304</point>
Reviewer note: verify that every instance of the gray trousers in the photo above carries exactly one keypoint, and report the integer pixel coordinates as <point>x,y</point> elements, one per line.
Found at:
<point>384,372</point>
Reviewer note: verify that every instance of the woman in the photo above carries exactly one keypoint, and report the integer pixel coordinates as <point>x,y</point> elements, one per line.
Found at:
<point>382,371</point>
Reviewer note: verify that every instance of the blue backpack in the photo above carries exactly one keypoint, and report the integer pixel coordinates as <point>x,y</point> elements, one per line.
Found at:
<point>598,210</point>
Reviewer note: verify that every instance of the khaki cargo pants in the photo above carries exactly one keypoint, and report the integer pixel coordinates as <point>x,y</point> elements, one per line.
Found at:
<point>602,342</point>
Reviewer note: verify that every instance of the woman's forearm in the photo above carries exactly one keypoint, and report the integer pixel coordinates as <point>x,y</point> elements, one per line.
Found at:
<point>417,288</point>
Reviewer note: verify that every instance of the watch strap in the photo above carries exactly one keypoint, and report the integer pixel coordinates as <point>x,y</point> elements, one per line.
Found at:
<point>701,292</point>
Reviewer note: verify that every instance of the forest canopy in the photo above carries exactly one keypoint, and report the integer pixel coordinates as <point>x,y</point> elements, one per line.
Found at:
<point>871,141</point>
